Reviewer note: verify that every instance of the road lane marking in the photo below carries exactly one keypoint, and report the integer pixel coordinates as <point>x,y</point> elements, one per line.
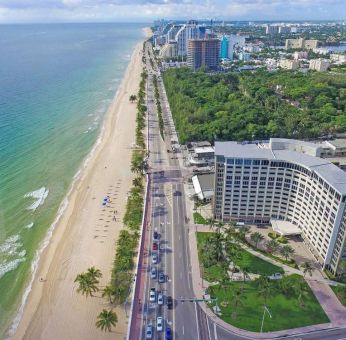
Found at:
<point>215,333</point>
<point>208,327</point>
<point>197,320</point>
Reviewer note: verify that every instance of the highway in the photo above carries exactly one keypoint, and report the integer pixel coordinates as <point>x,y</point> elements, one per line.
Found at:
<point>167,216</point>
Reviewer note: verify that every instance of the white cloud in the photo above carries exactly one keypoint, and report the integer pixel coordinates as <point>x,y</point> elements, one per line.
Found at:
<point>114,10</point>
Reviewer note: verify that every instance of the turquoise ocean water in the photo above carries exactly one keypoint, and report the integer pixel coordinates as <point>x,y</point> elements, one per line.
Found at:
<point>56,83</point>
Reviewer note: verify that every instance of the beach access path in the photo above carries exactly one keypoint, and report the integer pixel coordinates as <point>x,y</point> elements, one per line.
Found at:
<point>86,233</point>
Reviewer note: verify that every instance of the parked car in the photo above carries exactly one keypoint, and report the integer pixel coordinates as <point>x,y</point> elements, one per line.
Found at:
<point>162,277</point>
<point>275,276</point>
<point>153,273</point>
<point>168,333</point>
<point>169,302</point>
<point>159,324</point>
<point>155,246</point>
<point>160,299</point>
<point>155,258</point>
<point>149,332</point>
<point>152,295</point>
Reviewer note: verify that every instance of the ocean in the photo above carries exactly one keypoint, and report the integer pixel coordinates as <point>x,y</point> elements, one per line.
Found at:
<point>56,83</point>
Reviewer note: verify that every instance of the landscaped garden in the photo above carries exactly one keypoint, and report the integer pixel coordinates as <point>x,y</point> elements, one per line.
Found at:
<point>290,302</point>
<point>289,299</point>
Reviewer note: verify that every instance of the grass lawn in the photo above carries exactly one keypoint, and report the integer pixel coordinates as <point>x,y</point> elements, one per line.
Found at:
<point>338,290</point>
<point>254,263</point>
<point>198,218</point>
<point>286,311</point>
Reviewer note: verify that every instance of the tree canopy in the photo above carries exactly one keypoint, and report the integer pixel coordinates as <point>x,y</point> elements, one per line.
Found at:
<point>248,106</point>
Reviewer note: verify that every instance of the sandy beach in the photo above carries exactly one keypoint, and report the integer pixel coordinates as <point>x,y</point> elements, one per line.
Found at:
<point>86,233</point>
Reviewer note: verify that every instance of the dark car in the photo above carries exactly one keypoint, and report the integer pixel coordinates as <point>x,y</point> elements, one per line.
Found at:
<point>169,302</point>
<point>155,236</point>
<point>162,277</point>
<point>155,246</point>
<point>168,333</point>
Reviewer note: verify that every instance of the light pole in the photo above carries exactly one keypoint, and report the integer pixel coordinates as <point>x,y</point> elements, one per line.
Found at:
<point>265,309</point>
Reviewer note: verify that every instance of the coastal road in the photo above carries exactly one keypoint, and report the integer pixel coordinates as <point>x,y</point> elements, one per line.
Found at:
<point>167,216</point>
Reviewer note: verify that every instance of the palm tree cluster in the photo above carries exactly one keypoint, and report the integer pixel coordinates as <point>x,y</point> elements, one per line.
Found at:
<point>159,108</point>
<point>87,282</point>
<point>272,246</point>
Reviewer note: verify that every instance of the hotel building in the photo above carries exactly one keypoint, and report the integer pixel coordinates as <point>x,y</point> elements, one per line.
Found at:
<point>203,52</point>
<point>287,184</point>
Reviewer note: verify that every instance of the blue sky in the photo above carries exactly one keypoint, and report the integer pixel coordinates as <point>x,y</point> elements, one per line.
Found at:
<point>146,11</point>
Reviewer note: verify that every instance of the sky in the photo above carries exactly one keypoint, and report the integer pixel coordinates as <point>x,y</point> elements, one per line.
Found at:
<point>23,11</point>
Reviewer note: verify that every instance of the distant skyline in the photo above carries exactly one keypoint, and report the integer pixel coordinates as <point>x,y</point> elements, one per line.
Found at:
<point>23,11</point>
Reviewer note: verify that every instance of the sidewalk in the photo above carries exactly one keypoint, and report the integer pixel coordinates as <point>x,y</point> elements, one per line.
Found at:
<point>335,311</point>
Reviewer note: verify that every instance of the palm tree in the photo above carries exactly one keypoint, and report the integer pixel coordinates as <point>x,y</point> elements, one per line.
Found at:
<point>272,246</point>
<point>94,273</point>
<point>285,285</point>
<point>245,270</point>
<point>265,288</point>
<point>256,238</point>
<point>211,222</point>
<point>307,268</point>
<point>108,293</point>
<point>301,290</point>
<point>243,231</point>
<point>106,320</point>
<point>287,251</point>
<point>133,98</point>
<point>86,284</point>
<point>237,301</point>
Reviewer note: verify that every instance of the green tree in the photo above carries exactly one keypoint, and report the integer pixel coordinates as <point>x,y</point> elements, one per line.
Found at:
<point>256,238</point>
<point>285,285</point>
<point>86,284</point>
<point>265,288</point>
<point>246,271</point>
<point>301,290</point>
<point>237,301</point>
<point>94,273</point>
<point>307,268</point>
<point>108,292</point>
<point>106,319</point>
<point>287,251</point>
<point>272,246</point>
<point>133,98</point>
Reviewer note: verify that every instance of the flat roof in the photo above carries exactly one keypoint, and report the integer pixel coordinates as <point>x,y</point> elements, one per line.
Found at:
<point>285,228</point>
<point>338,143</point>
<point>203,149</point>
<point>322,167</point>
<point>203,185</point>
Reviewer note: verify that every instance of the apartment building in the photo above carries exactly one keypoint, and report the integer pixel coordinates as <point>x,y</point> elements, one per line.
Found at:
<point>301,43</point>
<point>319,65</point>
<point>284,181</point>
<point>203,52</point>
<point>289,64</point>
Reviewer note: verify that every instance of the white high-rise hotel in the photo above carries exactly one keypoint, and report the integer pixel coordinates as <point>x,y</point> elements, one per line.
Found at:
<point>284,182</point>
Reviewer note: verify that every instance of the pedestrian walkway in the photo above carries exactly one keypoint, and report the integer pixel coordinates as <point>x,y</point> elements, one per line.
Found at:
<point>329,302</point>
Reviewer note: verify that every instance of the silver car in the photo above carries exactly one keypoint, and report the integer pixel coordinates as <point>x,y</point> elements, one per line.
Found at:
<point>159,324</point>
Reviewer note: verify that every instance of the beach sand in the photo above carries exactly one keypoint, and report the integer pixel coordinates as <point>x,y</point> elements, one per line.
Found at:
<point>86,233</point>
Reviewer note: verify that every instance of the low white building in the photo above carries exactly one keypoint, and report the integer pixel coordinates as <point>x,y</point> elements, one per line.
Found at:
<point>204,186</point>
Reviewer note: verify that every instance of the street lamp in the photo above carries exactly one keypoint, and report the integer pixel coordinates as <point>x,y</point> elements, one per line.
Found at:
<point>265,309</point>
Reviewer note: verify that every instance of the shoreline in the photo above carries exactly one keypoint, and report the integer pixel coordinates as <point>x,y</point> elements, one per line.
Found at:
<point>27,320</point>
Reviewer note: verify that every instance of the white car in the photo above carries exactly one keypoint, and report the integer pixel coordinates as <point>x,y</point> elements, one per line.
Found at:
<point>154,258</point>
<point>159,324</point>
<point>153,273</point>
<point>160,299</point>
<point>152,295</point>
<point>149,332</point>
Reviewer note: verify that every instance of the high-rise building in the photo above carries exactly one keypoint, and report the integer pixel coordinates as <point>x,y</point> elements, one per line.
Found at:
<point>272,30</point>
<point>224,48</point>
<point>284,29</point>
<point>203,53</point>
<point>319,65</point>
<point>287,184</point>
<point>169,50</point>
